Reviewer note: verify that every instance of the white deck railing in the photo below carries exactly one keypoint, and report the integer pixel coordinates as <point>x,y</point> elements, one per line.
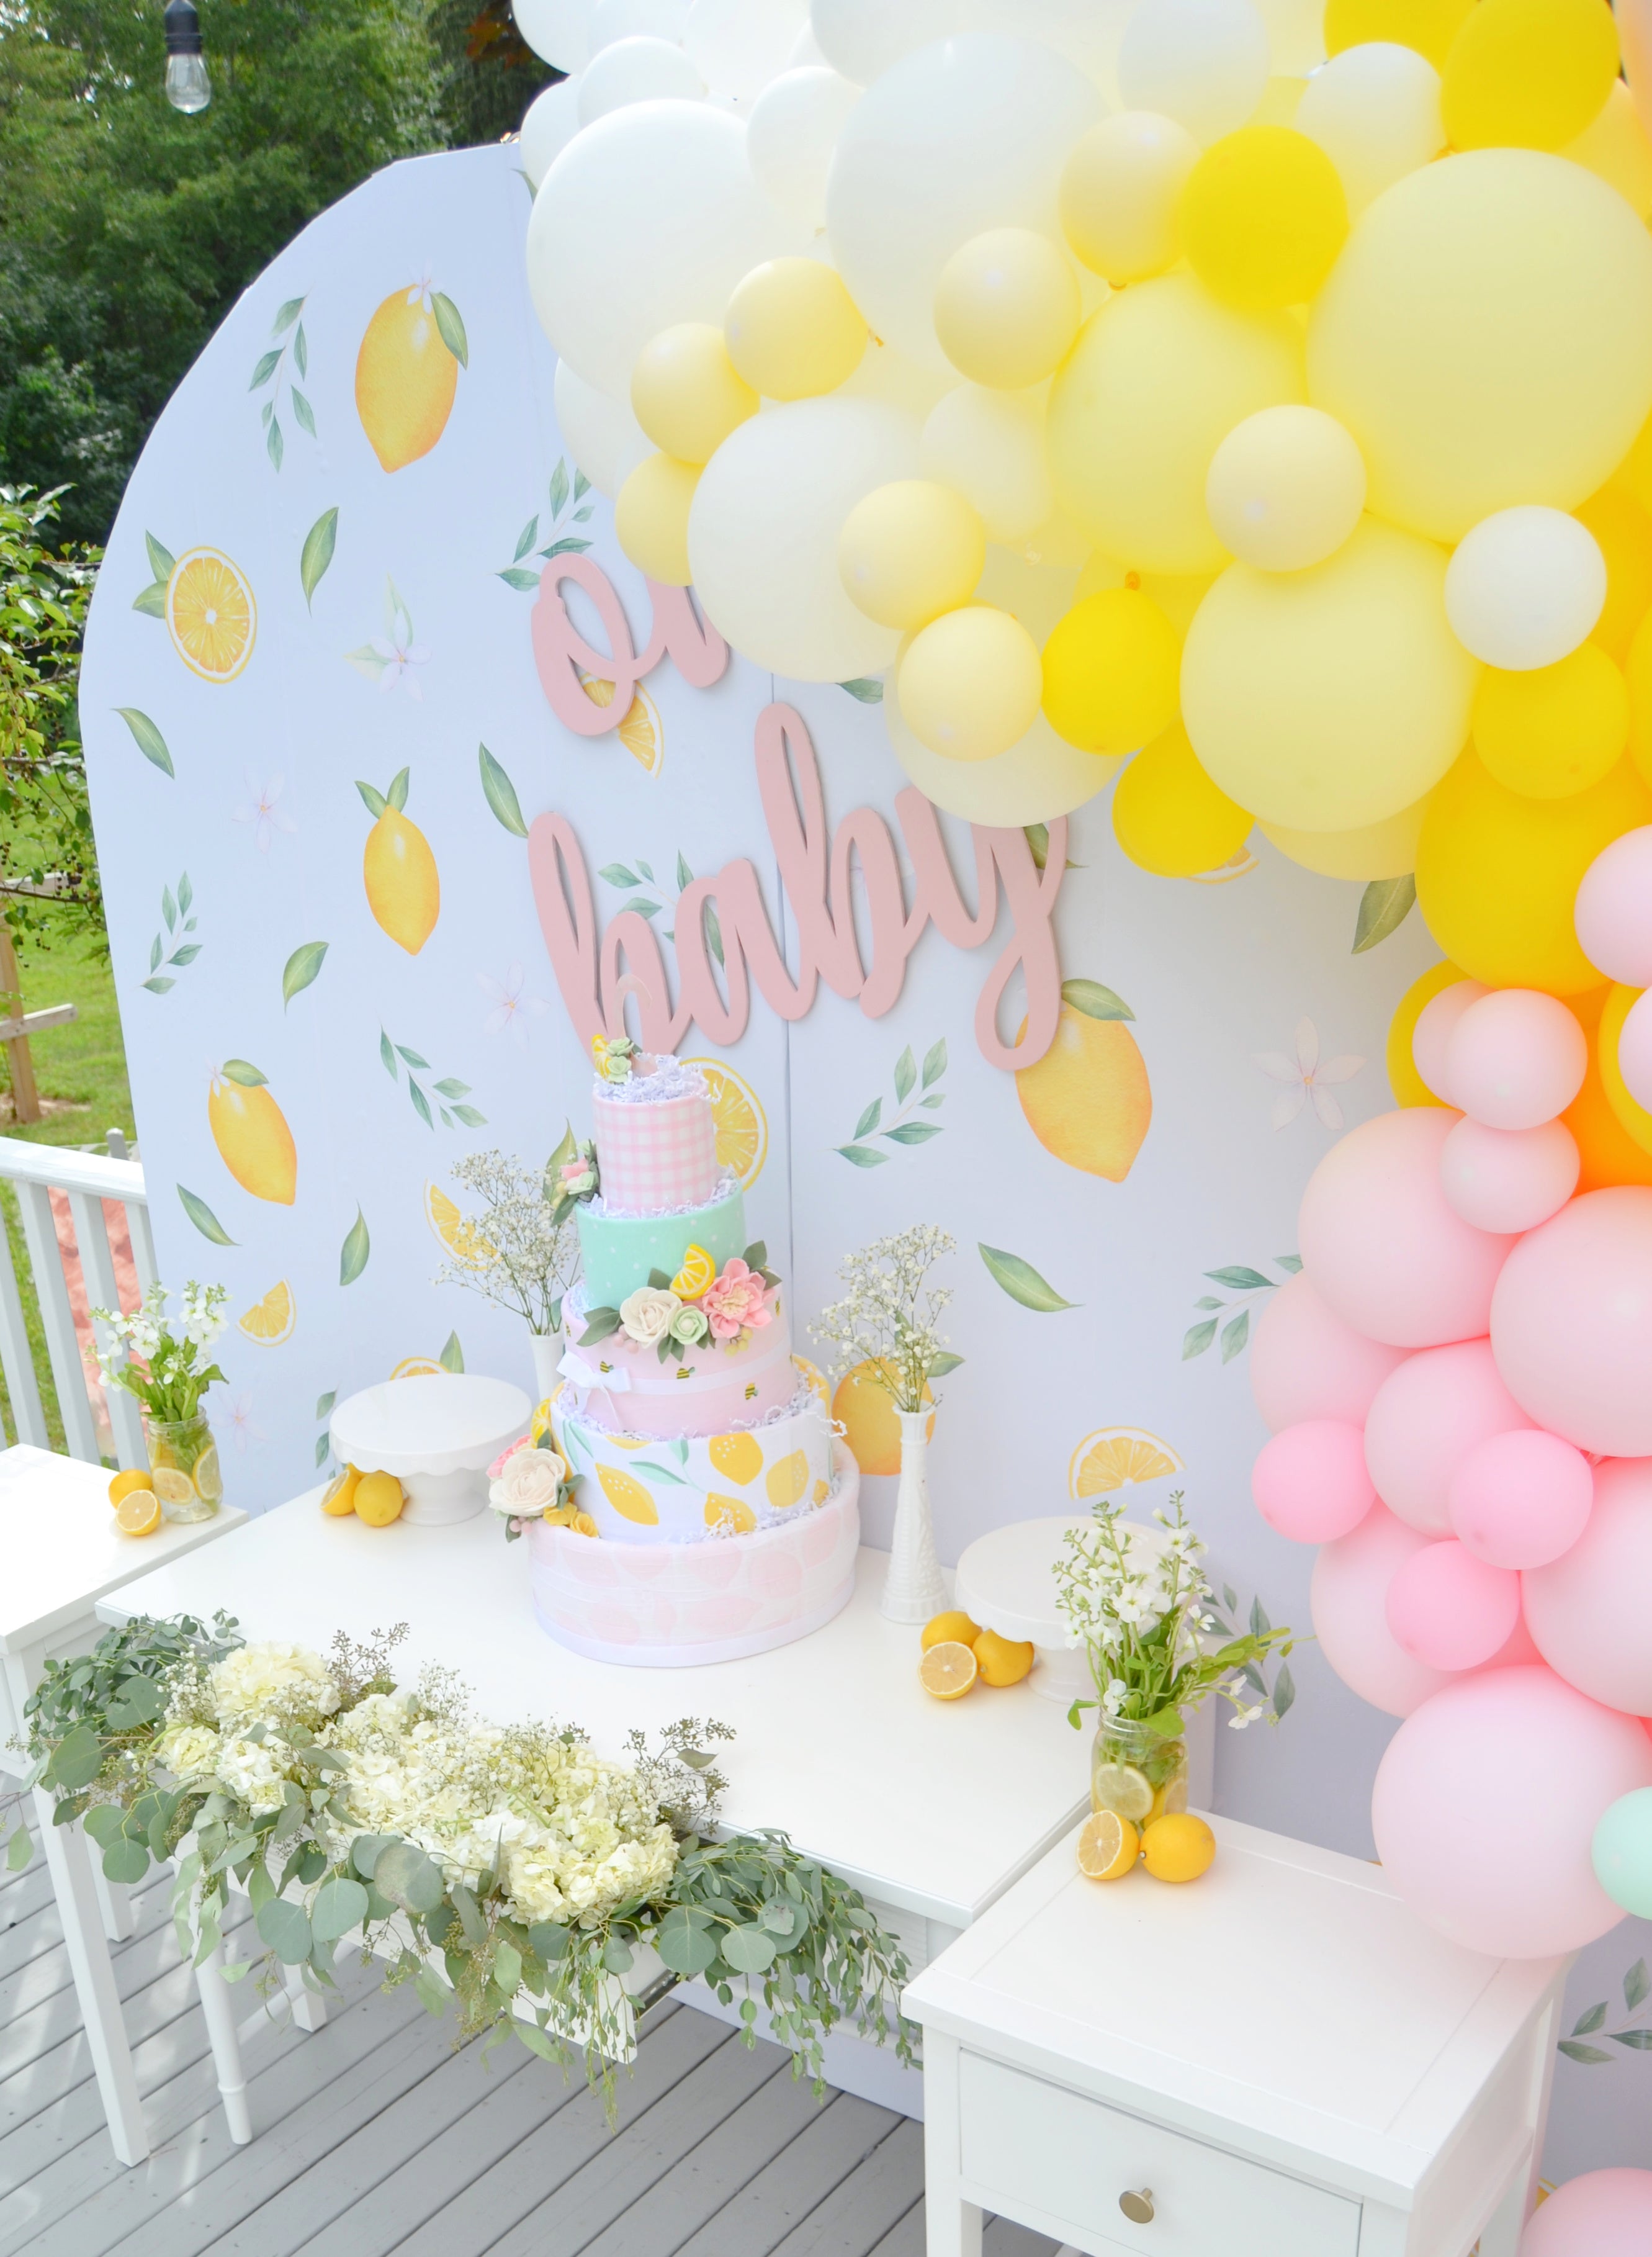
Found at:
<point>85,1179</point>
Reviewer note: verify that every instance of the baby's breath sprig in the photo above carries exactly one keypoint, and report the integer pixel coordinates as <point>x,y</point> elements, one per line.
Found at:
<point>888,1317</point>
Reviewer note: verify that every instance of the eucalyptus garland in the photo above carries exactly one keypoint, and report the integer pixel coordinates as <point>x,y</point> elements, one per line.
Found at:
<point>524,1876</point>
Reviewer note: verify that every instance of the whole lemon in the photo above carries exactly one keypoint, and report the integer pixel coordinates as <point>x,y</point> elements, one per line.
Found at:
<point>378,1499</point>
<point>404,891</point>
<point>1001,1660</point>
<point>1178,1847</point>
<point>250,1132</point>
<point>140,1477</point>
<point>406,379</point>
<point>942,1628</point>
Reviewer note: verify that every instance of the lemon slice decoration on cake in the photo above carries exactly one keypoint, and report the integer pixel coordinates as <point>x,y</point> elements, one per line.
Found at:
<point>731,1512</point>
<point>270,1321</point>
<point>696,1273</point>
<point>1114,1457</point>
<point>743,1133</point>
<point>629,1498</point>
<point>737,1457</point>
<point>210,615</point>
<point>641,732</point>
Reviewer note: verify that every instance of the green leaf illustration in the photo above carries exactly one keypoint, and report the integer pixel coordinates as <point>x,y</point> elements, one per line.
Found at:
<point>515,576</point>
<point>275,444</point>
<point>861,1155</point>
<point>870,1118</point>
<point>868,691</point>
<point>1636,1984</point>
<point>934,1064</point>
<point>913,1132</point>
<point>319,543</point>
<point>500,793</point>
<point>1588,2056</point>
<point>266,368</point>
<point>287,315</point>
<point>300,353</point>
<point>1239,1278</point>
<point>616,873</point>
<point>906,1076</point>
<point>1038,839</point>
<point>1022,1282</point>
<point>372,798</point>
<point>147,738</point>
<point>203,1218</point>
<point>452,1356</point>
<point>162,563</point>
<point>1637,2041</point>
<point>152,600</point>
<point>1235,1334</point>
<point>1284,1691</point>
<point>1197,1338</point>
<point>303,414</point>
<point>567,547</point>
<point>1384,906</point>
<point>243,1075</point>
<point>303,967</point>
<point>397,796</point>
<point>1094,1001</point>
<point>559,488</point>
<point>943,1362</point>
<point>420,1102</point>
<point>451,328</point>
<point>525,539</point>
<point>1587,2024</point>
<point>324,1404</point>
<point>352,1258</point>
<point>1291,1262</point>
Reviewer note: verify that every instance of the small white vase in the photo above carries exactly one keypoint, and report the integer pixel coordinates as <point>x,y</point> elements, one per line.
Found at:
<point>913,1590</point>
<point>547,1354</point>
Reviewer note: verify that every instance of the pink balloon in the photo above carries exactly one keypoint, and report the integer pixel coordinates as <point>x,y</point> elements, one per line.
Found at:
<point>1436,1024</point>
<point>1571,1323</point>
<point>1508,1179</point>
<point>1423,1422</point>
<point>1380,1243</point>
<point>1349,1605</point>
<point>1587,1609</point>
<point>1515,1058</point>
<point>1306,1363</point>
<point>1521,1499</point>
<point>1309,1481</point>
<point>1450,1610</point>
<point>1459,1827</point>
<point>1613,910</point>
<point>1603,2214</point>
<point>1634,1052</point>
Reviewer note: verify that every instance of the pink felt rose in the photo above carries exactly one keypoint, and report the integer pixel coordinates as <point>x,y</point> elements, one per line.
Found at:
<point>735,1302</point>
<point>505,1457</point>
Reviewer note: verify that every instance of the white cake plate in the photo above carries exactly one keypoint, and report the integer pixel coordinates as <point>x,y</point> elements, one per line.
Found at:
<point>437,1436</point>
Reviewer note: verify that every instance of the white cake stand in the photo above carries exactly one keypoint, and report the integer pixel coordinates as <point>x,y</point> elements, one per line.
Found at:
<point>437,1436</point>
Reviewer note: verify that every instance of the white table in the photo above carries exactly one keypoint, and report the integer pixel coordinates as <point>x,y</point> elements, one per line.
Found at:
<point>1276,2061</point>
<point>60,1553</point>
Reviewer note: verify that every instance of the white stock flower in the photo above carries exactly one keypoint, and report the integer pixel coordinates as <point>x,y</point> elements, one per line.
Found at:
<point>645,1315</point>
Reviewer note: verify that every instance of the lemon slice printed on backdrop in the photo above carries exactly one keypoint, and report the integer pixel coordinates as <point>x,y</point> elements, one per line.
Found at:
<point>743,1132</point>
<point>210,615</point>
<point>641,732</point>
<point>1114,1457</point>
<point>419,1367</point>
<point>270,1321</point>
<point>462,1240</point>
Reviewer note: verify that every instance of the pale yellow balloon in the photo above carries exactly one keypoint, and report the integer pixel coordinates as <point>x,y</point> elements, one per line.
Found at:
<point>793,331</point>
<point>686,394</point>
<point>651,518</point>
<point>1178,596</point>
<point>970,683</point>
<point>910,551</point>
<point>1119,193</point>
<point>1486,337</point>
<point>1286,488</point>
<point>1616,147</point>
<point>1278,104</point>
<point>1037,779</point>
<point>1158,379</point>
<point>1329,699</point>
<point>990,446</point>
<point>1381,850</point>
<point>1007,308</point>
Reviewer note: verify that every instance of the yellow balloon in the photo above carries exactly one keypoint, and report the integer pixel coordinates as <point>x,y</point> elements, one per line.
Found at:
<point>793,331</point>
<point>1120,193</point>
<point>910,551</point>
<point>1007,308</point>
<point>651,518</point>
<point>1110,673</point>
<point>1159,377</point>
<point>1486,337</point>
<point>1380,850</point>
<point>1263,216</point>
<point>1404,1080</point>
<point>1623,530</point>
<point>1329,699</point>
<point>1286,488</point>
<point>1169,817</point>
<point>1633,1115</point>
<point>1616,146</point>
<point>1638,674</point>
<point>685,392</point>
<point>1177,598</point>
<point>1428,26</point>
<point>1527,74</point>
<point>970,684</point>
<point>1497,874</point>
<point>1555,729</point>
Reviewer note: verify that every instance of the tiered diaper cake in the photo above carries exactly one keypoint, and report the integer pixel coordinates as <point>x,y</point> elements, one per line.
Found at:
<point>727,1512</point>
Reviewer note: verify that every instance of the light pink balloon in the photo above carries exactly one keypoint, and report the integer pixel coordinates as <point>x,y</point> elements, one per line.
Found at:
<point>1436,1024</point>
<point>1459,1827</point>
<point>1306,1363</point>
<point>1588,1610</point>
<point>1451,1610</point>
<point>1380,1243</point>
<point>1423,1422</point>
<point>1613,910</point>
<point>1515,1058</point>
<point>1603,2214</point>
<point>1349,1604</point>
<point>1521,1499</point>
<point>1634,1052</point>
<point>1309,1481</point>
<point>1571,1323</point>
<point>1508,1179</point>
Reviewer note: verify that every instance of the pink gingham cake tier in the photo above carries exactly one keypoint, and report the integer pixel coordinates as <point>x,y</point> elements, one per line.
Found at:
<point>655,1151</point>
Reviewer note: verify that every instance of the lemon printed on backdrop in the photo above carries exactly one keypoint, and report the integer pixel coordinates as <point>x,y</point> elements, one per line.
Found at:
<point>864,1409</point>
<point>641,732</point>
<point>271,1321</point>
<point>407,373</point>
<point>461,1238</point>
<point>1087,1100</point>
<point>250,1132</point>
<point>404,891</point>
<point>742,1129</point>
<point>1117,1457</point>
<point>208,605</point>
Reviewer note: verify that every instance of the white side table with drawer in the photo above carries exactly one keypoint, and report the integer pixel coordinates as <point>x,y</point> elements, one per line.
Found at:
<point>1276,2061</point>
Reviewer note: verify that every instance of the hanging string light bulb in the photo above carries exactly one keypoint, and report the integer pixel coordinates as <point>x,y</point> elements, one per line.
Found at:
<point>188,88</point>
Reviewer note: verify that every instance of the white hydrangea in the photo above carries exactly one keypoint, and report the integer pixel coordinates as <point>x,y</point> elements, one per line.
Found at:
<point>251,1771</point>
<point>271,1684</point>
<point>188,1752</point>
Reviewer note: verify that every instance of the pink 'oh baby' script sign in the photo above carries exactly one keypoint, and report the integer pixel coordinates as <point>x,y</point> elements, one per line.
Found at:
<point>598,966</point>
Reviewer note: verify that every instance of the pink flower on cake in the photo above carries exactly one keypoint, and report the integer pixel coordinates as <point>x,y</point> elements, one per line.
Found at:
<point>505,1457</point>
<point>645,1315</point>
<point>736,1301</point>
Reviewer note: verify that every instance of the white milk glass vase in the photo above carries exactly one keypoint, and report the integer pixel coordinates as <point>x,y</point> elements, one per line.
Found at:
<point>913,1590</point>
<point>547,1354</point>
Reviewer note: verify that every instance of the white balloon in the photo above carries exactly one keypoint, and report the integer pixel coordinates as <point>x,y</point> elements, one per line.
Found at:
<point>551,123</point>
<point>790,137</point>
<point>1524,587</point>
<point>989,446</point>
<point>969,135</point>
<point>863,38</point>
<point>1286,488</point>
<point>1086,31</point>
<point>806,54</point>
<point>1203,62</point>
<point>629,19</point>
<point>1295,35</point>
<point>558,30</point>
<point>600,431</point>
<point>1375,111</point>
<point>764,528</point>
<point>637,69</point>
<point>647,218</point>
<point>738,45</point>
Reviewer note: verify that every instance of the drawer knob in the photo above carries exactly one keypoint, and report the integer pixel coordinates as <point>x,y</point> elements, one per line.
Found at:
<point>1138,2206</point>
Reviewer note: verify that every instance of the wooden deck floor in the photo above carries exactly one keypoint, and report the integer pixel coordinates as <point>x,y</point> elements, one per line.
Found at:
<point>375,2136</point>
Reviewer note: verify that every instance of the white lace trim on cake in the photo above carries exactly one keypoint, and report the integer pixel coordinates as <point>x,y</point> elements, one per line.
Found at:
<point>727,1185</point>
<point>670,1077</point>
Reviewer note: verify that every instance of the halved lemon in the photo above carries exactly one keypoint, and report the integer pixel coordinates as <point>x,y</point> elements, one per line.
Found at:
<point>948,1670</point>
<point>172,1487</point>
<point>210,615</point>
<point>696,1273</point>
<point>1113,1457</point>
<point>138,1513</point>
<point>124,1484</point>
<point>340,1497</point>
<point>743,1133</point>
<point>461,1238</point>
<point>641,732</point>
<point>419,1367</point>
<point>1108,1846</point>
<point>270,1320</point>
<point>1122,1789</point>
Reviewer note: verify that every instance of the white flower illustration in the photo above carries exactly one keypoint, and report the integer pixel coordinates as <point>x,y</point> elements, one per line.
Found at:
<point>391,657</point>
<point>241,1423</point>
<point>512,1009</point>
<point>260,809</point>
<point>1304,1078</point>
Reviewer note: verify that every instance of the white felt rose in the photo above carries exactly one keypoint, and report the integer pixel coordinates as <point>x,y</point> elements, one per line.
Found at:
<point>645,1315</point>
<point>528,1483</point>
